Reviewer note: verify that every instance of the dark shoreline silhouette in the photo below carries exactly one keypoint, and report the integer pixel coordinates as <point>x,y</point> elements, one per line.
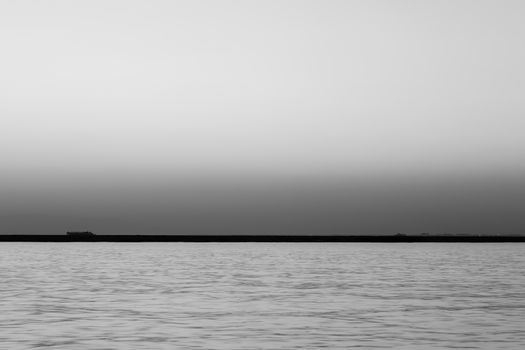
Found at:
<point>401,238</point>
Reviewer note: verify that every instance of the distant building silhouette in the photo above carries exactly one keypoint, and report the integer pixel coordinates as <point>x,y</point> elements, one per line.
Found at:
<point>80,234</point>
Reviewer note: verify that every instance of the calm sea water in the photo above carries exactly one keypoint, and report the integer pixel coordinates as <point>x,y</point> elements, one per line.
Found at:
<point>261,296</point>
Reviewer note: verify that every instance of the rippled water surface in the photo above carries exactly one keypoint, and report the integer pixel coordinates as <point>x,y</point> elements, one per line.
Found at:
<point>261,296</point>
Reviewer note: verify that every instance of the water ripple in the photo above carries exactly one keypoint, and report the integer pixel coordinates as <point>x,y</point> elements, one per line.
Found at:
<point>261,296</point>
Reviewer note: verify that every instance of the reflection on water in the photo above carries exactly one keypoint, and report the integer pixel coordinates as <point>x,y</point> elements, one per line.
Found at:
<point>261,296</point>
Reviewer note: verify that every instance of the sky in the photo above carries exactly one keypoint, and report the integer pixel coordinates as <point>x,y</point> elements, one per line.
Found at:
<point>267,116</point>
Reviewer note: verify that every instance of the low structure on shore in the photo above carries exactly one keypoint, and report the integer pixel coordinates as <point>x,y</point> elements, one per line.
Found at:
<point>80,234</point>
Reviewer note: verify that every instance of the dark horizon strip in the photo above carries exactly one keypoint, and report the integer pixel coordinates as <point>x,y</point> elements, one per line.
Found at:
<point>265,238</point>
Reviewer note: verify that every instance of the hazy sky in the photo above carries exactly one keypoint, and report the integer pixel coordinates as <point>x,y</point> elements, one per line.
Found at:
<point>262,116</point>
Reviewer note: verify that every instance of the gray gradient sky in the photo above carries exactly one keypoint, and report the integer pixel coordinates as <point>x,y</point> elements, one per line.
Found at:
<point>262,116</point>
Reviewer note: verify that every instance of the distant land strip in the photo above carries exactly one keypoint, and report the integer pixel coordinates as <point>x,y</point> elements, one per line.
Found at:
<point>398,238</point>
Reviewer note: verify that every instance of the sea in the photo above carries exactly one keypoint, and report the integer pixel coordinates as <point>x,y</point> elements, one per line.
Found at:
<point>262,296</point>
